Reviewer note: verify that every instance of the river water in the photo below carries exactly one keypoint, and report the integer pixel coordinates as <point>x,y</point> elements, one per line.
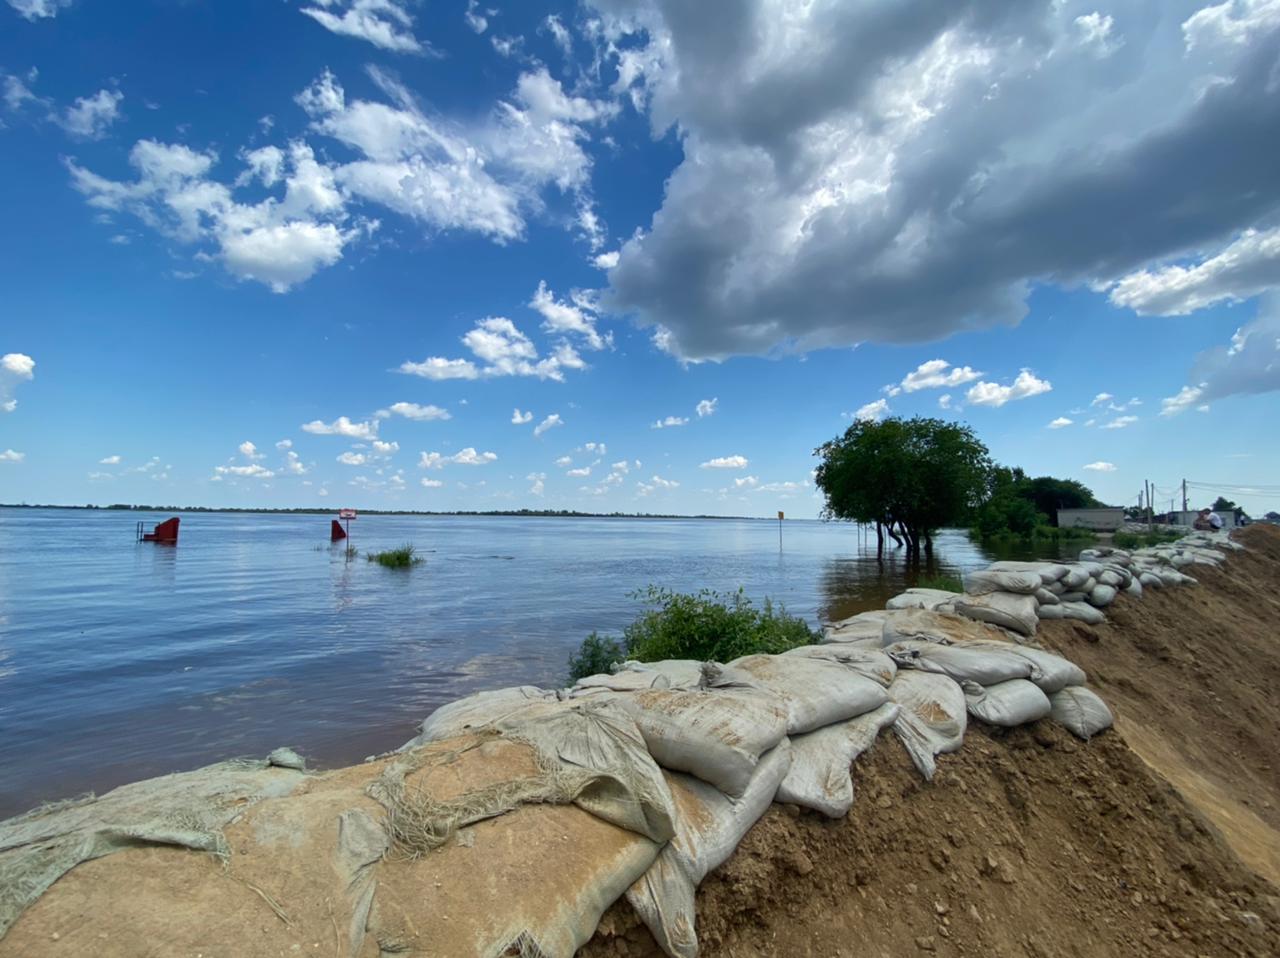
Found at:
<point>121,660</point>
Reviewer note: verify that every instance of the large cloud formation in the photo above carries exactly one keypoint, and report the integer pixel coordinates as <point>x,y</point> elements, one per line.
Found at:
<point>894,172</point>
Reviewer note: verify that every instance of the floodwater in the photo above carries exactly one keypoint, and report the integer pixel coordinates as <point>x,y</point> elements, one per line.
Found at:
<point>121,660</point>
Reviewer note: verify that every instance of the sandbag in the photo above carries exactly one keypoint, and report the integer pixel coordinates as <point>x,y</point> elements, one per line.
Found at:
<point>1073,596</point>
<point>1080,711</point>
<point>872,663</point>
<point>1075,577</point>
<point>1051,612</point>
<point>709,828</point>
<point>680,673</point>
<point>1150,580</point>
<point>819,776</point>
<point>1049,671</point>
<point>1049,572</point>
<point>864,625</point>
<point>1111,578</point>
<point>1015,612</point>
<point>1102,596</point>
<point>1134,588</point>
<point>184,810</point>
<point>1046,597</point>
<point>1006,704</point>
<point>601,759</point>
<point>984,581</point>
<point>933,716</point>
<point>1082,611</point>
<point>986,664</point>
<point>624,681</point>
<point>717,735</point>
<point>934,599</point>
<point>815,692</point>
<point>912,625</point>
<point>480,710</point>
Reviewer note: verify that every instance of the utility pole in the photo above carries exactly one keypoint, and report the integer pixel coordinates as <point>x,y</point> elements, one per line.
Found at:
<point>1184,495</point>
<point>1150,517</point>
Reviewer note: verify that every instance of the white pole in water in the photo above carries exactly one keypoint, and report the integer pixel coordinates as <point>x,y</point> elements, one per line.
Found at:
<point>779,530</point>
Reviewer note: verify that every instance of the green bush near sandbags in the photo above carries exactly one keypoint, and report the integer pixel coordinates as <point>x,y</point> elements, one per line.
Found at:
<point>708,626</point>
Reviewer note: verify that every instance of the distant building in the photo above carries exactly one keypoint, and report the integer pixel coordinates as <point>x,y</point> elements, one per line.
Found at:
<point>1105,519</point>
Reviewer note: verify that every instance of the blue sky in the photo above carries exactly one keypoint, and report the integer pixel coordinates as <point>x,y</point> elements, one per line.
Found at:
<point>320,253</point>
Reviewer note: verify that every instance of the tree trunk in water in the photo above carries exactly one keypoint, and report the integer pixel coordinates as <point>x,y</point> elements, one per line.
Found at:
<point>879,539</point>
<point>893,532</point>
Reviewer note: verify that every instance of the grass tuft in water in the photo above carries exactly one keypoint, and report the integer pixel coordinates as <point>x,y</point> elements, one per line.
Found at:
<point>401,558</point>
<point>944,583</point>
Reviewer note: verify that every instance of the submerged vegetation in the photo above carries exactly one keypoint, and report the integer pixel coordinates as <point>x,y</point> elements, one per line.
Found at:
<point>707,626</point>
<point>401,558</point>
<point>1136,540</point>
<point>943,583</point>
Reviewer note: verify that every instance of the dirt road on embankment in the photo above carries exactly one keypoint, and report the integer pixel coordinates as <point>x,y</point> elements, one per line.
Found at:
<point>1160,838</point>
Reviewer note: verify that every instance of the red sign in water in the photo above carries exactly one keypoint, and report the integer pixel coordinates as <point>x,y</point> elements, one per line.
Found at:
<point>346,513</point>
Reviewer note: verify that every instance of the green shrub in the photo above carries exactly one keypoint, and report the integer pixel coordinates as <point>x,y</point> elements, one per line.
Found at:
<point>597,654</point>
<point>401,558</point>
<point>708,626</point>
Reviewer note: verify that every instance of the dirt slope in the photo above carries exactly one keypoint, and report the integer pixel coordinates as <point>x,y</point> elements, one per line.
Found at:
<point>1156,839</point>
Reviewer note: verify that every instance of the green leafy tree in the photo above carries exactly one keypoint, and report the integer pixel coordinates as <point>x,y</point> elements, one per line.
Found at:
<point>908,476</point>
<point>1223,504</point>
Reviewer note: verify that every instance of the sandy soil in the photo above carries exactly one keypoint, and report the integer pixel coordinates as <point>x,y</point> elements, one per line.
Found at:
<point>1156,839</point>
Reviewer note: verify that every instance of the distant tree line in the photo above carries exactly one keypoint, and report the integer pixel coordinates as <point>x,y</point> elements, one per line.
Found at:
<point>532,513</point>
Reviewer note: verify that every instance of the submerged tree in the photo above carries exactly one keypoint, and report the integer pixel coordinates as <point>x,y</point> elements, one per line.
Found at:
<point>910,477</point>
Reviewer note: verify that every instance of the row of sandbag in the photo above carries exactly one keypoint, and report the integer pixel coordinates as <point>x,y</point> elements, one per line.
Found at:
<point>1016,595</point>
<point>730,739</point>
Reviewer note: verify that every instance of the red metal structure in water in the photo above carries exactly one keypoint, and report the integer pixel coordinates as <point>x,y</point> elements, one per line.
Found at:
<point>336,531</point>
<point>165,532</point>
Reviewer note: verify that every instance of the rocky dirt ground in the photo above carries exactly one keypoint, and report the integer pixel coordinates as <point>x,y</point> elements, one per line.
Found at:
<point>1159,838</point>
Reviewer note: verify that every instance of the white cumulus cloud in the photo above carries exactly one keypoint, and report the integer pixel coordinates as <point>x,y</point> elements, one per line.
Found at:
<point>706,407</point>
<point>872,411</point>
<point>1060,422</point>
<point>9,455</point>
<point>384,23</point>
<point>1024,386</point>
<point>936,374</point>
<point>549,423</point>
<point>519,418</point>
<point>669,422</point>
<point>502,350</point>
<point>726,462</point>
<point>15,368</point>
<point>90,116</point>
<point>414,412</point>
<point>1101,466</point>
<point>342,426</point>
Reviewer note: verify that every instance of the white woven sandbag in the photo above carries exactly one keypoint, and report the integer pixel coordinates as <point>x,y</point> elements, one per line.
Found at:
<point>815,692</point>
<point>1102,596</point>
<point>864,625</point>
<point>983,581</point>
<point>985,663</point>
<point>480,710</point>
<point>1046,597</point>
<point>1006,704</point>
<point>1081,711</point>
<point>1112,578</point>
<point>1081,611</point>
<point>1150,580</point>
<point>680,673</point>
<point>1134,588</point>
<point>1049,572</point>
<point>872,663</point>
<point>933,716</point>
<point>1049,671</point>
<point>709,828</point>
<point>923,599</point>
<point>1015,612</point>
<point>1075,577</point>
<point>1054,611</point>
<point>624,681</point>
<point>819,776</point>
<point>912,625</point>
<point>717,735</point>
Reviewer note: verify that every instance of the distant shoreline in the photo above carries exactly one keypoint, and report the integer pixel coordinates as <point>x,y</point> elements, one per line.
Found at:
<point>508,513</point>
